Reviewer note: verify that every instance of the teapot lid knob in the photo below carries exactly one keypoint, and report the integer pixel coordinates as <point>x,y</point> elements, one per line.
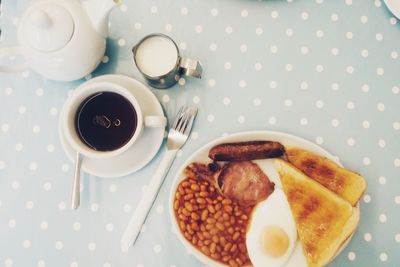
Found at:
<point>46,27</point>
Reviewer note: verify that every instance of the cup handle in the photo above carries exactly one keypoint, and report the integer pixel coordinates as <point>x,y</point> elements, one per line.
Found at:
<point>155,121</point>
<point>11,51</point>
<point>190,67</point>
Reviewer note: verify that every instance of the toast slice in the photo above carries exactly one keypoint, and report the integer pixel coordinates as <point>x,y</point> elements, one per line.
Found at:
<point>345,183</point>
<point>324,220</point>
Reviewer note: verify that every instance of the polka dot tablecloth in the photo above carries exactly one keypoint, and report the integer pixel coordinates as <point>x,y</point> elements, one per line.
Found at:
<point>327,71</point>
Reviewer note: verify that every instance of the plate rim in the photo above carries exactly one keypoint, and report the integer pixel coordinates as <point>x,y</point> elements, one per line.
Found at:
<point>178,177</point>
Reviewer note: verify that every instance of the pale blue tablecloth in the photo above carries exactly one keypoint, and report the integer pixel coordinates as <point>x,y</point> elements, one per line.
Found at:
<point>327,71</point>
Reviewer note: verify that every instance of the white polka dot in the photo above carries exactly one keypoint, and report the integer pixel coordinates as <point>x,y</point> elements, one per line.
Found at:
<point>335,122</point>
<point>211,83</point>
<point>19,147</point>
<point>165,98</point>
<point>39,92</point>
<point>396,162</point>
<point>184,11</point>
<point>349,2</point>
<point>393,20</point>
<point>26,243</point>
<point>210,118</point>
<point>29,205</point>
<point>36,129</point>
<point>334,17</point>
<point>394,54</point>
<point>137,25</point>
<point>365,88</point>
<point>214,12</point>
<point>397,200</point>
<point>44,225</point>
<point>259,31</point>
<point>274,14</point>
<point>65,167</point>
<point>380,71</point>
<point>213,47</point>
<point>397,238</point>
<point>181,81</point>
<point>273,49</point>
<point>154,9</point>
<point>139,265</point>
<point>364,53</point>
<point>21,109</point>
<point>364,19</point>
<point>123,8</point>
<point>257,66</point>
<point>289,32</point>
<point>272,120</point>
<point>288,102</point>
<point>168,27</point>
<point>15,185</point>
<point>350,69</point>
<point>381,143</point>
<point>304,50</point>
<point>382,180</point>
<point>304,15</point>
<point>349,35</point>
<point>59,245</point>
<point>396,125</point>
<point>12,223</point>
<point>350,105</point>
<point>303,121</point>
<point>76,226</point>
<point>289,67</point>
<point>2,165</point>
<point>257,102</point>
<point>367,198</point>
<point>26,74</point>
<point>319,33</point>
<point>365,124</point>
<point>304,85</point>
<point>47,186</point>
<point>383,256</point>
<point>273,84</point>
<point>226,100</point>
<point>33,166</point>
<point>196,99</point>
<point>109,227</point>
<point>395,90</point>
<point>41,263</point>
<point>227,65</point>
<point>50,148</point>
<point>319,68</point>
<point>244,13</point>
<point>8,91</point>
<point>380,107</point>
<point>121,42</point>
<point>242,84</point>
<point>157,248</point>
<point>73,264</point>
<point>382,218</point>
<point>61,205</point>
<point>195,135</point>
<point>319,140</point>
<point>53,111</point>
<point>335,51</point>
<point>378,3</point>
<point>228,30</point>
<point>366,161</point>
<point>94,207</point>
<point>379,36</point>
<point>241,119</point>
<point>367,237</point>
<point>350,141</point>
<point>113,188</point>
<point>160,209</point>
<point>92,246</point>
<point>199,28</point>
<point>127,208</point>
<point>5,127</point>
<point>107,264</point>
<point>351,256</point>
<point>8,262</point>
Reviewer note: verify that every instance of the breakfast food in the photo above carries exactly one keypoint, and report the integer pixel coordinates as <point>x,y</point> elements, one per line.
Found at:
<point>241,151</point>
<point>211,222</point>
<point>323,219</point>
<point>244,182</point>
<point>345,183</point>
<point>272,234</point>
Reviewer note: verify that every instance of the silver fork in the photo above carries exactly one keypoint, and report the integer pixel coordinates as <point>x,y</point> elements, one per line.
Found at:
<point>177,137</point>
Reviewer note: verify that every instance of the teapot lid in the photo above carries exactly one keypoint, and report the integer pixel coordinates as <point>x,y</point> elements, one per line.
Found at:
<point>48,27</point>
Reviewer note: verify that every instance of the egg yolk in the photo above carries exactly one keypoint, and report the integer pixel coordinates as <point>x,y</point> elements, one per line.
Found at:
<point>274,241</point>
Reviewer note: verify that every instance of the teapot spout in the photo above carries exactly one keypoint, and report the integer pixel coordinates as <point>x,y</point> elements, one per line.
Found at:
<point>98,11</point>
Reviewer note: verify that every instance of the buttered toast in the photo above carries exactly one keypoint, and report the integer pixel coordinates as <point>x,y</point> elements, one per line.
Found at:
<point>323,219</point>
<point>347,184</point>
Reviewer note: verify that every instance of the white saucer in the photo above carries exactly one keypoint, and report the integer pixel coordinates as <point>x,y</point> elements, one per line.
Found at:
<point>394,7</point>
<point>142,152</point>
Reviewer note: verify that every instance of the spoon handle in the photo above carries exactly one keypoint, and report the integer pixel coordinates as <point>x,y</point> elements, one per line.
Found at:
<point>75,197</point>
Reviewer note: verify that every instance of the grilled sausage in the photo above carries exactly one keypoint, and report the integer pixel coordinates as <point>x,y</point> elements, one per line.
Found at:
<point>250,150</point>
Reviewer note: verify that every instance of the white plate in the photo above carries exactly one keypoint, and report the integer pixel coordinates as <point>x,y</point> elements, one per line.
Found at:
<point>142,152</point>
<point>201,155</point>
<point>394,7</point>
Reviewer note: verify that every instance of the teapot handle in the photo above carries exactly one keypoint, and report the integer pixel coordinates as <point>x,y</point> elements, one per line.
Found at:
<point>11,51</point>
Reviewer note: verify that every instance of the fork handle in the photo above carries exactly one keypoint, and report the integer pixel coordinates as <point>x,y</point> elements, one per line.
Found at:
<point>132,231</point>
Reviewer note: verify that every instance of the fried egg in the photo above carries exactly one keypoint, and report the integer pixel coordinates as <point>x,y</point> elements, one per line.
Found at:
<point>272,234</point>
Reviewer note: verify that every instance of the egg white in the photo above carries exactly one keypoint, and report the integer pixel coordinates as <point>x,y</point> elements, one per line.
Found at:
<point>274,211</point>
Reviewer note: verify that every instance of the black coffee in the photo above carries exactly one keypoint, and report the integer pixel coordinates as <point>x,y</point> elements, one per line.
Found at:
<point>106,121</point>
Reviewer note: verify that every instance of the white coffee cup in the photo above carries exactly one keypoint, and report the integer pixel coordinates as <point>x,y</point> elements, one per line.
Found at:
<point>74,102</point>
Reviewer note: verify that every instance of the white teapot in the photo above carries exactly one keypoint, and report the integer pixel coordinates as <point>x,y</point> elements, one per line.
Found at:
<point>63,40</point>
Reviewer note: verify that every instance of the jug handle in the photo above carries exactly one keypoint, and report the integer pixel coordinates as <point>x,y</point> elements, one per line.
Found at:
<point>11,51</point>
